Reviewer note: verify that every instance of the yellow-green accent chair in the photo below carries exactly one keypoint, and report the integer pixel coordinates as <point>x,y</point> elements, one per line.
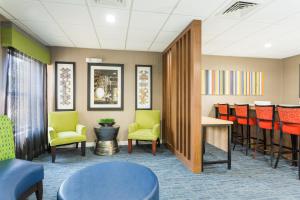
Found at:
<point>145,128</point>
<point>63,129</point>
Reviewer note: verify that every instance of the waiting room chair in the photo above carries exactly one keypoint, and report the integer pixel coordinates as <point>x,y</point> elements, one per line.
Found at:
<point>63,129</point>
<point>145,128</point>
<point>18,178</point>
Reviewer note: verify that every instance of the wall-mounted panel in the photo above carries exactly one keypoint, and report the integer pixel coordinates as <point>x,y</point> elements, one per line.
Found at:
<point>236,83</point>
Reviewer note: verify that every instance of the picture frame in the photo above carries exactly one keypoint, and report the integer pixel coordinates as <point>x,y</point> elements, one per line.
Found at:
<point>143,87</point>
<point>105,86</point>
<point>65,86</point>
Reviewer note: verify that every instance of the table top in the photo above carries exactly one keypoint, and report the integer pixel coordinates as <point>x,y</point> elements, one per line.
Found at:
<point>114,126</point>
<point>110,180</point>
<point>209,121</point>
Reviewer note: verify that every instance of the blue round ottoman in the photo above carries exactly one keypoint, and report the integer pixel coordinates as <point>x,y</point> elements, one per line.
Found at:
<point>112,181</point>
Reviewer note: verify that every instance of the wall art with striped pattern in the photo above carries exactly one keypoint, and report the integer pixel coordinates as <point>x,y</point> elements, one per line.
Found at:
<point>236,83</point>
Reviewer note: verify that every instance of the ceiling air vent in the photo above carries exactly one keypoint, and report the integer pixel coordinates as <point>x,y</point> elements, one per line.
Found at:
<point>239,8</point>
<point>113,3</point>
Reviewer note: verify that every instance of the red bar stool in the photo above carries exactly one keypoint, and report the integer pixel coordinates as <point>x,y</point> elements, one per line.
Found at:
<point>243,119</point>
<point>265,119</point>
<point>223,112</point>
<point>289,118</point>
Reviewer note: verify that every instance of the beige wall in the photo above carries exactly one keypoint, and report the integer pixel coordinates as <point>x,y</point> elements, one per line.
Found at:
<point>273,72</point>
<point>291,80</point>
<point>129,59</point>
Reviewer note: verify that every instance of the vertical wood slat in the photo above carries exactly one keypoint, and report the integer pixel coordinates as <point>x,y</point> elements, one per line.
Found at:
<point>181,96</point>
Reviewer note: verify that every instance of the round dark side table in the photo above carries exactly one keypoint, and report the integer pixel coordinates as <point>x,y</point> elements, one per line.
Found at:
<point>106,142</point>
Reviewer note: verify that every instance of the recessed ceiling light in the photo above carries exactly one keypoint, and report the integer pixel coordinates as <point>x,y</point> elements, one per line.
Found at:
<point>268,45</point>
<point>110,19</point>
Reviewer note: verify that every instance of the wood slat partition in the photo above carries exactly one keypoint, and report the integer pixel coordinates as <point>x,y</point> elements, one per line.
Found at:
<point>182,97</point>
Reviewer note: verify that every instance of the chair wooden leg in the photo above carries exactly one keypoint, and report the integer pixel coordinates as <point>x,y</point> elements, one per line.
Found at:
<point>39,191</point>
<point>49,148</point>
<point>158,142</point>
<point>53,153</point>
<point>83,148</point>
<point>76,145</point>
<point>154,147</point>
<point>129,145</point>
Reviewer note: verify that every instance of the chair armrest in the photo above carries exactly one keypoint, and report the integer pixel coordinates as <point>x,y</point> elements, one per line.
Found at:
<point>133,127</point>
<point>156,130</point>
<point>51,132</point>
<point>81,129</point>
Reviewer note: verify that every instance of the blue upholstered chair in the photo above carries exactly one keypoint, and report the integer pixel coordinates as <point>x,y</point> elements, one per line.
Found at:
<point>18,178</point>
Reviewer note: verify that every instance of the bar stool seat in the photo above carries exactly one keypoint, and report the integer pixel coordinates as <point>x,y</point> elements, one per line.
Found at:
<point>230,118</point>
<point>293,129</point>
<point>243,121</point>
<point>268,125</point>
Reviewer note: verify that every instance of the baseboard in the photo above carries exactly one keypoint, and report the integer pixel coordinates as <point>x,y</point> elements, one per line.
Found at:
<point>92,144</point>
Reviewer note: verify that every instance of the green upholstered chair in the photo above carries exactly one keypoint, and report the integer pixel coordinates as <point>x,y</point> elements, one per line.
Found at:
<point>145,128</point>
<point>7,146</point>
<point>63,129</point>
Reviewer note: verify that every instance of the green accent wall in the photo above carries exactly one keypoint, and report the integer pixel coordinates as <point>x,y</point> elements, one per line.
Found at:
<point>12,37</point>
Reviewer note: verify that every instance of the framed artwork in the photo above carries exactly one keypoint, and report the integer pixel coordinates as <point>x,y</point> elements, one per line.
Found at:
<point>64,86</point>
<point>105,86</point>
<point>143,87</point>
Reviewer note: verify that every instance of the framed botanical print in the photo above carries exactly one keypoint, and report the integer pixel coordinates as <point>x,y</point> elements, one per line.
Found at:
<point>143,87</point>
<point>64,86</point>
<point>105,86</point>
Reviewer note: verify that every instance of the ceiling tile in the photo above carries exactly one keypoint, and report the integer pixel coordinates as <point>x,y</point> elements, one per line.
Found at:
<point>48,29</point>
<point>60,41</point>
<point>200,8</point>
<point>26,10</point>
<point>275,11</point>
<point>112,33</point>
<point>69,13</point>
<point>25,28</point>
<point>216,26</point>
<point>166,37</point>
<point>79,2</point>
<point>93,4</point>
<point>147,21</point>
<point>159,6</point>
<point>140,35</point>
<point>99,16</point>
<point>241,31</point>
<point>159,47</point>
<point>82,36</point>
<point>140,46</point>
<point>113,44</point>
<point>178,22</point>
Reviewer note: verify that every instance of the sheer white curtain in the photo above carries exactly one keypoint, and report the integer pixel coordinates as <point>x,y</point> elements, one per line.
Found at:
<point>26,103</point>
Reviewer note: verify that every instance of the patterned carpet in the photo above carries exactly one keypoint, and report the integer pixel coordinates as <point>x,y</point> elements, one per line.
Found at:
<point>248,178</point>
